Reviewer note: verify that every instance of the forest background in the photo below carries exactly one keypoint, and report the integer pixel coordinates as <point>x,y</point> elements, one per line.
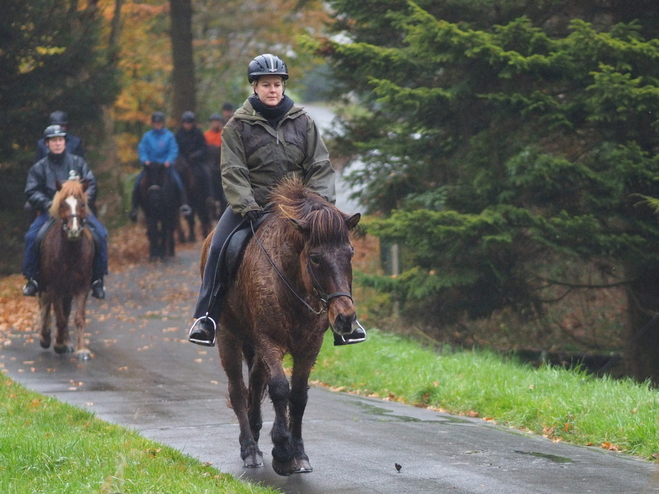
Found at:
<point>507,147</point>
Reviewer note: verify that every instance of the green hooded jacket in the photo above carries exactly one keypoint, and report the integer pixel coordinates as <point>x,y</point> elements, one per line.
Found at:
<point>255,157</point>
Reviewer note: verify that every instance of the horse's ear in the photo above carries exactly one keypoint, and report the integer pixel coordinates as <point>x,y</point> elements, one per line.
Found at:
<point>58,185</point>
<point>85,183</point>
<point>353,220</point>
<point>297,225</point>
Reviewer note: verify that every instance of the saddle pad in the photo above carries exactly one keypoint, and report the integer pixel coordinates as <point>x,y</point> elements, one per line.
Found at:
<point>235,247</point>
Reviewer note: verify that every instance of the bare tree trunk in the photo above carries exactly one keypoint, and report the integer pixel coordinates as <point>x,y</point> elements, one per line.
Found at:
<point>115,30</point>
<point>642,350</point>
<point>183,75</point>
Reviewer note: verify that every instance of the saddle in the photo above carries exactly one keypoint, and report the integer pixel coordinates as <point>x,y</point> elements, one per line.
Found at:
<point>42,233</point>
<point>232,252</point>
<point>234,248</point>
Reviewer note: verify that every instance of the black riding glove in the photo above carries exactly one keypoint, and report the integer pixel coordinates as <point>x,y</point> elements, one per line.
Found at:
<point>254,215</point>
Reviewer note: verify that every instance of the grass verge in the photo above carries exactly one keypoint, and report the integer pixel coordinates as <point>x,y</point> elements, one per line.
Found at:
<point>563,405</point>
<point>50,447</point>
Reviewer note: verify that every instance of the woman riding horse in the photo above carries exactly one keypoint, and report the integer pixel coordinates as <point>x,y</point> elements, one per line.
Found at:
<point>60,165</point>
<point>267,139</point>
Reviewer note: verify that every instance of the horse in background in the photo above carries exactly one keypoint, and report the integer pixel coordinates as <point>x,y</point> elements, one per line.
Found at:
<point>66,256</point>
<point>197,186</point>
<point>159,199</point>
<point>295,281</point>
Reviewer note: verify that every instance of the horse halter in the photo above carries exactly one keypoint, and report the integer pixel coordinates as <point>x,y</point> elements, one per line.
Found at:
<point>318,290</point>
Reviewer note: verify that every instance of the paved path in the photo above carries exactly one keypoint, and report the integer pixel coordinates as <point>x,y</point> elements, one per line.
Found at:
<point>146,376</point>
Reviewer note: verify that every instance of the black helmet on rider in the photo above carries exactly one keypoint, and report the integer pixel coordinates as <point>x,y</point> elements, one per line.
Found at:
<point>216,116</point>
<point>59,118</point>
<point>188,117</point>
<point>53,131</point>
<point>158,117</point>
<point>266,64</point>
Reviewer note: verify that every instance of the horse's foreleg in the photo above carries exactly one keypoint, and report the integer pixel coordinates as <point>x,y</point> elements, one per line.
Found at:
<point>257,383</point>
<point>283,452</point>
<point>44,319</point>
<point>297,406</point>
<point>191,226</point>
<point>62,308</point>
<point>82,352</point>
<point>179,231</point>
<point>231,357</point>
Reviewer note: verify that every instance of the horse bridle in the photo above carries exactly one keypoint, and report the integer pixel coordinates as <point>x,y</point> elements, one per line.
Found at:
<point>67,218</point>
<point>319,291</point>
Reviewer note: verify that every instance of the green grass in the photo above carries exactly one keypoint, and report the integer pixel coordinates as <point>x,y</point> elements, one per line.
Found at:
<point>50,447</point>
<point>566,405</point>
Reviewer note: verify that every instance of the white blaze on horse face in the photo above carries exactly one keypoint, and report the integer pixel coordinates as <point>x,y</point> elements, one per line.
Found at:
<point>74,228</point>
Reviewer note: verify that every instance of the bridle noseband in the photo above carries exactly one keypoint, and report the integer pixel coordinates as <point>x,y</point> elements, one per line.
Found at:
<point>67,218</point>
<point>320,292</point>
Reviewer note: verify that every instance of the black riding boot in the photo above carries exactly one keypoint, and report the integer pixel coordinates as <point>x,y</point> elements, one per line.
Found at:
<point>98,289</point>
<point>211,294</point>
<point>185,208</point>
<point>133,212</point>
<point>31,288</point>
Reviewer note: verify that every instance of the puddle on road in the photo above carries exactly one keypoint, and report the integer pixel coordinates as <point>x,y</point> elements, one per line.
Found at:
<point>386,414</point>
<point>554,458</point>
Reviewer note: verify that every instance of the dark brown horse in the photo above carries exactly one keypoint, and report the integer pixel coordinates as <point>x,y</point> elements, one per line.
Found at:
<point>159,198</point>
<point>294,282</point>
<point>197,186</point>
<point>67,251</point>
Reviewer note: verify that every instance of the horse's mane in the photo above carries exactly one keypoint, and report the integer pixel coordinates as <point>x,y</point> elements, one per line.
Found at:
<point>69,188</point>
<point>322,220</point>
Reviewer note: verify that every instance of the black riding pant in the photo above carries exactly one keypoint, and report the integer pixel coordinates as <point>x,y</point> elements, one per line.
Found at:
<point>211,282</point>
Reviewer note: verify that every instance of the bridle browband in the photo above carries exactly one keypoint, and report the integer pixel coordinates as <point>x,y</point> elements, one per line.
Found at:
<point>319,291</point>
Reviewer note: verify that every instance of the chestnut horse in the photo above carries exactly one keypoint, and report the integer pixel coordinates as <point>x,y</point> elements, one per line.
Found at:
<point>66,255</point>
<point>295,281</point>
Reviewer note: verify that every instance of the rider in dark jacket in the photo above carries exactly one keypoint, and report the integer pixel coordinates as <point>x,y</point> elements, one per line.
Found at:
<point>192,146</point>
<point>73,143</point>
<point>40,189</point>
<point>267,139</point>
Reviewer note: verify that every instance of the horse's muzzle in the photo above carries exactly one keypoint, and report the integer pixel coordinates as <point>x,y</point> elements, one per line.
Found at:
<point>344,323</point>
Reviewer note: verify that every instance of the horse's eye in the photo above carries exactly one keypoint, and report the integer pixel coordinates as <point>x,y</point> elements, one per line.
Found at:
<point>315,259</point>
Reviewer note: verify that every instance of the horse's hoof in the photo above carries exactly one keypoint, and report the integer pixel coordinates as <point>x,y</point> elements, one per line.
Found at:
<point>302,465</point>
<point>254,460</point>
<point>61,349</point>
<point>44,342</point>
<point>83,354</point>
<point>284,468</point>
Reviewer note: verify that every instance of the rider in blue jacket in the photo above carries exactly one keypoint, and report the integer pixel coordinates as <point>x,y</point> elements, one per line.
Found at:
<point>60,164</point>
<point>158,145</point>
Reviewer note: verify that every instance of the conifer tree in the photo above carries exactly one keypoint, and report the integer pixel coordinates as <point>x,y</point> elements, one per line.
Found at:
<point>508,143</point>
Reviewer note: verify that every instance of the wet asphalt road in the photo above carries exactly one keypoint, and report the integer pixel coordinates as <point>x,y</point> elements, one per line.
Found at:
<point>145,375</point>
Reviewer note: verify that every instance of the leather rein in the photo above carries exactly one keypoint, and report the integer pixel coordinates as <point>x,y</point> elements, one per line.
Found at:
<point>318,290</point>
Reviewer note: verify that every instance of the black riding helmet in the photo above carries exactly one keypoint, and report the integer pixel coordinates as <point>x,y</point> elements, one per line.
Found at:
<point>59,118</point>
<point>188,117</point>
<point>53,131</point>
<point>158,117</point>
<point>266,64</point>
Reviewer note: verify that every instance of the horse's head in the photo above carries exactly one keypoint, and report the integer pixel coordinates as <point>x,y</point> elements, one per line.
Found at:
<point>70,207</point>
<point>326,257</point>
